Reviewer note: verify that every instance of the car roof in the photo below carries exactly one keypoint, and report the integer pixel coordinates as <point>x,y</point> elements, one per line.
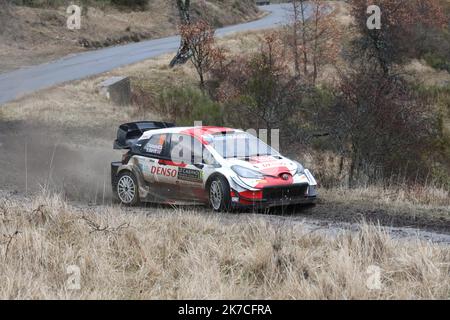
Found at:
<point>197,132</point>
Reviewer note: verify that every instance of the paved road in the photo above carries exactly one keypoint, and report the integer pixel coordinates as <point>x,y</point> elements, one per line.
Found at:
<point>17,83</point>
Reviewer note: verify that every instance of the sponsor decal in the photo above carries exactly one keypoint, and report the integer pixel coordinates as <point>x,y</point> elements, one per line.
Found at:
<point>165,172</point>
<point>190,175</point>
<point>153,148</point>
<point>268,162</point>
<point>267,165</point>
<point>261,159</point>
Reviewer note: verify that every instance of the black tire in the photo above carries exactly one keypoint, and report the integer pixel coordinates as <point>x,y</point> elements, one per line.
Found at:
<point>127,189</point>
<point>219,194</point>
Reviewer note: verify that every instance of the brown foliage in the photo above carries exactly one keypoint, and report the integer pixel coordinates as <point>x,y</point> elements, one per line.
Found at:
<point>260,87</point>
<point>199,37</point>
<point>386,128</point>
<point>397,39</point>
<point>313,41</point>
<point>234,74</point>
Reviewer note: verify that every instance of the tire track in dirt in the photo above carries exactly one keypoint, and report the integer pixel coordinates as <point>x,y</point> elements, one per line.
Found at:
<point>296,217</point>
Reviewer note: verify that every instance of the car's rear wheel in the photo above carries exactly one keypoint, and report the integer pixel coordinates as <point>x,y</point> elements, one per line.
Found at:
<point>127,189</point>
<point>219,194</point>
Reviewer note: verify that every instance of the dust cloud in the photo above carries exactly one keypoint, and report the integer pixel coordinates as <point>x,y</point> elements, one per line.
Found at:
<point>74,162</point>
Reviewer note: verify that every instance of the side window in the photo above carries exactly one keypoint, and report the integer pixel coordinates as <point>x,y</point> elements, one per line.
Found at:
<point>182,148</point>
<point>208,158</point>
<point>187,149</point>
<point>156,145</point>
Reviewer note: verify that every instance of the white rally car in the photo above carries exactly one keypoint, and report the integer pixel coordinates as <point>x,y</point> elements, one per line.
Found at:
<point>221,167</point>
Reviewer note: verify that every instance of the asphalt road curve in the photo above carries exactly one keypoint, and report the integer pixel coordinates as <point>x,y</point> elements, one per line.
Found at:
<point>17,83</point>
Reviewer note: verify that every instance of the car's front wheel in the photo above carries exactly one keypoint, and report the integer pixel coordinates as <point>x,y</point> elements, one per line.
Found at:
<point>127,189</point>
<point>219,194</point>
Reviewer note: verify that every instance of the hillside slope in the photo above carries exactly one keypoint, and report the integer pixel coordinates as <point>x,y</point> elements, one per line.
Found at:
<point>35,35</point>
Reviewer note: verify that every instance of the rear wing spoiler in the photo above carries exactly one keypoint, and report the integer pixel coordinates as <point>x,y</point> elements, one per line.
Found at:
<point>129,133</point>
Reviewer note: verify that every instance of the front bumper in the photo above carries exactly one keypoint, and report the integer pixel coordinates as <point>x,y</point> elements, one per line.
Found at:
<point>275,196</point>
<point>273,203</point>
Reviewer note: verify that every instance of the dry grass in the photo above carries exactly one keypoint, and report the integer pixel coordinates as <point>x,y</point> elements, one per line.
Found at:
<point>419,71</point>
<point>418,195</point>
<point>182,254</point>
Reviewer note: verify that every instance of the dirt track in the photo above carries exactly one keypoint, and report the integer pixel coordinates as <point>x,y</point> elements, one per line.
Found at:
<point>75,162</point>
<point>356,212</point>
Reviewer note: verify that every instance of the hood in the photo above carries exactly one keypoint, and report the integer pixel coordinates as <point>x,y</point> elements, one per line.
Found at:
<point>268,165</point>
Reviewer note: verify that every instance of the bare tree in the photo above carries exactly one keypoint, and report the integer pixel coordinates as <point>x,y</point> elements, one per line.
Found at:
<point>7,21</point>
<point>200,41</point>
<point>325,39</point>
<point>184,52</point>
<point>313,39</point>
<point>391,44</point>
<point>386,128</point>
<point>259,91</point>
<point>184,11</point>
<point>299,30</point>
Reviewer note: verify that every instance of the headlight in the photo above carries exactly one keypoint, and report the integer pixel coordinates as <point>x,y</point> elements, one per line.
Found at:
<point>300,169</point>
<point>247,173</point>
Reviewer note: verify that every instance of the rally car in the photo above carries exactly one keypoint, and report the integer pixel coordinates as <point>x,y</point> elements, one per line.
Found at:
<point>221,167</point>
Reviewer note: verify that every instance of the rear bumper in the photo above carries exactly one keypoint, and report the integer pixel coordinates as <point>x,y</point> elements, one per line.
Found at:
<point>114,176</point>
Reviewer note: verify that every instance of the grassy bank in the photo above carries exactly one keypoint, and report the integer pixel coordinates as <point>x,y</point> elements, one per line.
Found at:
<point>184,254</point>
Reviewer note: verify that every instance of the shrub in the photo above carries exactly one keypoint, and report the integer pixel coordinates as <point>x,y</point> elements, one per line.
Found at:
<point>437,61</point>
<point>388,127</point>
<point>413,22</point>
<point>187,105</point>
<point>141,4</point>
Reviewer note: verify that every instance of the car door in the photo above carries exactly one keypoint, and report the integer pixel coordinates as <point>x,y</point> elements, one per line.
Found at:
<point>156,174</point>
<point>186,158</point>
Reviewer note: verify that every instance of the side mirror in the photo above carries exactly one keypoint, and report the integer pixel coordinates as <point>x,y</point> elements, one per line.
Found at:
<point>199,165</point>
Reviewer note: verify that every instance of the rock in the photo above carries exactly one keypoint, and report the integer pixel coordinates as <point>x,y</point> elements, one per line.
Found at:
<point>117,89</point>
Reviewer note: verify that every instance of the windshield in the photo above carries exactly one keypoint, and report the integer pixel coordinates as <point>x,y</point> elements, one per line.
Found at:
<point>240,145</point>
